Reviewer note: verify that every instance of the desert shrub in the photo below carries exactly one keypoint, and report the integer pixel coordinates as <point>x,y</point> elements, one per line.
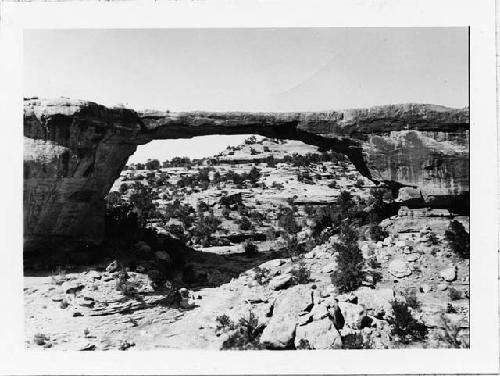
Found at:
<point>359,183</point>
<point>206,226</point>
<point>333,184</point>
<point>377,233</point>
<point>411,299</point>
<point>451,335</point>
<point>294,248</point>
<point>246,335</point>
<point>153,164</point>
<point>224,323</point>
<point>266,149</point>
<point>40,339</point>
<point>157,279</point>
<point>309,210</point>
<point>262,276</point>
<point>458,239</point>
<point>304,177</point>
<point>301,274</point>
<point>226,213</point>
<point>271,162</point>
<point>433,239</point>
<point>245,224</point>
<point>286,220</point>
<point>250,248</point>
<point>123,188</point>
<point>342,210</point>
<point>454,294</point>
<point>254,175</point>
<point>350,272</point>
<point>303,345</point>
<point>251,140</point>
<point>229,200</point>
<point>180,211</point>
<point>450,308</point>
<point>142,200</point>
<point>404,326</point>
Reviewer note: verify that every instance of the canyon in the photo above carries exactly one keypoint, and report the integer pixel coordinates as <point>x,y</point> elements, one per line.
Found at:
<point>75,150</point>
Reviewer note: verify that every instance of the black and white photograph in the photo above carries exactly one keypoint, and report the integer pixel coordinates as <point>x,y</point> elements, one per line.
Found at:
<point>253,191</point>
<point>230,196</point>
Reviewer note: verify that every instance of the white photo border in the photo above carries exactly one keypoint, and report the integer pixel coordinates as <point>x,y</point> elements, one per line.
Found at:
<point>482,357</point>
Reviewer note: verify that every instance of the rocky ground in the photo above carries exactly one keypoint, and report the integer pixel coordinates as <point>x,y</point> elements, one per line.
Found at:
<point>270,300</point>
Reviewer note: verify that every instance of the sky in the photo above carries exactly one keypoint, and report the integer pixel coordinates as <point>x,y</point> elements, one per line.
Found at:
<point>299,69</point>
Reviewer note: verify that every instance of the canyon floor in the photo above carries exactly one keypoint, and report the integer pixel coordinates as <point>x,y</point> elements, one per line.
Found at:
<point>270,299</point>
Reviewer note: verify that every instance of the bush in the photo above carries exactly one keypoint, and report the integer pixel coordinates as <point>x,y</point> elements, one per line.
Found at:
<point>294,248</point>
<point>450,334</point>
<point>250,248</point>
<point>286,220</point>
<point>262,276</point>
<point>153,164</point>
<point>206,226</point>
<point>246,334</point>
<point>377,233</point>
<point>224,323</point>
<point>404,325</point>
<point>300,274</point>
<point>433,239</point>
<point>458,239</point>
<point>359,183</point>
<point>411,299</point>
<point>454,294</point>
<point>226,213</point>
<point>350,273</point>
<point>245,224</point>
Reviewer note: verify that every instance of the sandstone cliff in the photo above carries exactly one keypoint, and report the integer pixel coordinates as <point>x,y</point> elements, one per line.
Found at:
<point>74,150</point>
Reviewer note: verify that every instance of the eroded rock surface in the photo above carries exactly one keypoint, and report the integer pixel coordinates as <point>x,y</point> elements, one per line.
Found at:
<point>74,151</point>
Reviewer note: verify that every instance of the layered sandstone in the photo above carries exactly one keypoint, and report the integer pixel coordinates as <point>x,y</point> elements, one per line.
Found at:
<point>74,150</point>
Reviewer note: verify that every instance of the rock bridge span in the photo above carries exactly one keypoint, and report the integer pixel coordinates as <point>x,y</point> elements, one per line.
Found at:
<point>74,151</point>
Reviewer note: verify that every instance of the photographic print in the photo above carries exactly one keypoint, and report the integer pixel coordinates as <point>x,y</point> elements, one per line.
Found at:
<point>246,188</point>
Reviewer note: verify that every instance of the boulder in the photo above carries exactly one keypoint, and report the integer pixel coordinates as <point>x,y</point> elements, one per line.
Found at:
<point>425,288</point>
<point>279,332</point>
<point>319,335</point>
<point>353,314</point>
<point>399,268</point>
<point>281,282</point>
<point>94,274</point>
<point>442,286</point>
<point>376,300</point>
<point>72,287</point>
<point>112,267</point>
<point>412,258</point>
<point>449,274</point>
<point>319,311</point>
<point>272,264</point>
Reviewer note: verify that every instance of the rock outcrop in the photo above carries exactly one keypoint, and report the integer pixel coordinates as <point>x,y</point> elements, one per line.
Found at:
<point>74,150</point>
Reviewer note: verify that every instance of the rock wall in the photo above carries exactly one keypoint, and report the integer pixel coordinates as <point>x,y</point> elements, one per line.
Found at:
<point>74,150</point>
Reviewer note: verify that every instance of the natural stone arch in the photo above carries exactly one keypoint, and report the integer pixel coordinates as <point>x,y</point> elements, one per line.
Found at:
<point>74,151</point>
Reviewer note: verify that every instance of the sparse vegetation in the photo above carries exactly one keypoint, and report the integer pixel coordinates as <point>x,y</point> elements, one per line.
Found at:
<point>245,335</point>
<point>404,326</point>
<point>261,275</point>
<point>454,294</point>
<point>301,274</point>
<point>350,273</point>
<point>458,239</point>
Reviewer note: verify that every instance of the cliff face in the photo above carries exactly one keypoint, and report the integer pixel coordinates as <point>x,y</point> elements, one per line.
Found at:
<point>74,150</point>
